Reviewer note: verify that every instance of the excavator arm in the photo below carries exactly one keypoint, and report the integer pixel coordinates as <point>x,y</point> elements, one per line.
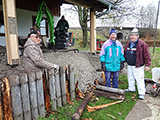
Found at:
<point>43,9</point>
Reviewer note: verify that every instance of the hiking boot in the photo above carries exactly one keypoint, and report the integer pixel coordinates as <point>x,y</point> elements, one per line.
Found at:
<point>127,90</point>
<point>141,97</point>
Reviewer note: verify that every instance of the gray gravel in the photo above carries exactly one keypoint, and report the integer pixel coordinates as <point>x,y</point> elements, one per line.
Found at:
<point>85,65</point>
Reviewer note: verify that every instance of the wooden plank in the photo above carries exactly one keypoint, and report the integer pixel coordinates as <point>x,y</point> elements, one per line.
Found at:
<point>82,106</point>
<point>25,96</point>
<point>63,84</point>
<point>16,97</point>
<point>7,107</point>
<point>40,94</point>
<point>58,89</point>
<point>33,96</point>
<point>71,81</point>
<point>52,89</point>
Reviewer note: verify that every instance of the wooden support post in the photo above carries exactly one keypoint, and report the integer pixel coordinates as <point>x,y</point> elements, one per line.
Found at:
<point>93,30</point>
<point>16,97</point>
<point>40,94</point>
<point>10,22</point>
<point>52,89</point>
<point>25,96</point>
<point>33,96</point>
<point>58,89</point>
<point>63,84</point>
<point>71,81</point>
<point>1,108</point>
<point>82,106</point>
<point>7,107</point>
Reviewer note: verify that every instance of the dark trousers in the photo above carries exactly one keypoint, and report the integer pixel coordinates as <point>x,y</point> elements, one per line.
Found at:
<point>114,80</point>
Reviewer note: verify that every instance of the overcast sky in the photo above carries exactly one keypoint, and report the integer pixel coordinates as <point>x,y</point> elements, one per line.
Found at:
<point>146,2</point>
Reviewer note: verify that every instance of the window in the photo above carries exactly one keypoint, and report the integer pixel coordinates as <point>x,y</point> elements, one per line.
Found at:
<point>43,26</point>
<point>2,30</point>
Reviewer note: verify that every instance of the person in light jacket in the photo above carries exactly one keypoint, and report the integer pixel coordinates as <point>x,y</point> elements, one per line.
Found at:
<point>33,56</point>
<point>111,57</point>
<point>138,58</point>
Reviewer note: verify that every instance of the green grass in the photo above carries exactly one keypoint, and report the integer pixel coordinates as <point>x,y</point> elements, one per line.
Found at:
<point>119,111</point>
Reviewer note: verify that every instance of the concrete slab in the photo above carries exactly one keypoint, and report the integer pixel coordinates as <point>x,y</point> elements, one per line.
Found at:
<point>147,109</point>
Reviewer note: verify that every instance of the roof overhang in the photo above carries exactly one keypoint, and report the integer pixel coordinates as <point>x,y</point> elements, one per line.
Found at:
<point>97,5</point>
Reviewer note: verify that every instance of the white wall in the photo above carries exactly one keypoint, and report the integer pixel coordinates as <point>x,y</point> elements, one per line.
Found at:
<point>24,23</point>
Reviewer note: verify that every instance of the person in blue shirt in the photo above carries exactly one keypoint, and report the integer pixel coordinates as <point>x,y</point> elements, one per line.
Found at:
<point>111,57</point>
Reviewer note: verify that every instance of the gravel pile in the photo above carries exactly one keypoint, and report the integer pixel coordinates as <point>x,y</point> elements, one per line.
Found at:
<point>85,65</point>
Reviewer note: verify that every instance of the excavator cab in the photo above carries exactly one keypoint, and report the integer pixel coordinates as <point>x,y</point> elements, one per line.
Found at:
<point>57,40</point>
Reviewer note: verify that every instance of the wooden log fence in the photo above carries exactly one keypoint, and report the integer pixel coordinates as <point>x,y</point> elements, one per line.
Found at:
<point>28,96</point>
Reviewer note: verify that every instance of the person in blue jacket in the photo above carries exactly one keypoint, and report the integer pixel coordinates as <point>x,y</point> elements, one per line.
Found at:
<point>112,57</point>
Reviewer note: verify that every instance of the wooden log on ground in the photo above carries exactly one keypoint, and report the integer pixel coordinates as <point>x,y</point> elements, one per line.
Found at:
<point>1,108</point>
<point>109,89</point>
<point>91,109</point>
<point>58,89</point>
<point>109,95</point>
<point>63,84</point>
<point>52,89</point>
<point>33,96</point>
<point>25,96</point>
<point>7,107</point>
<point>82,106</point>
<point>71,81</point>
<point>16,97</point>
<point>40,94</point>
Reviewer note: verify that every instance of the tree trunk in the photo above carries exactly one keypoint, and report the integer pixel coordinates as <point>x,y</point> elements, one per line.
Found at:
<point>85,35</point>
<point>83,19</point>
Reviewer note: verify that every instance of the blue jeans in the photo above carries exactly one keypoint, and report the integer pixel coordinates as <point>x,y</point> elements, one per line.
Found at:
<point>114,81</point>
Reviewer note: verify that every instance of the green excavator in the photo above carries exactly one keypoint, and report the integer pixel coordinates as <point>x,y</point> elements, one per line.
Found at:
<point>62,41</point>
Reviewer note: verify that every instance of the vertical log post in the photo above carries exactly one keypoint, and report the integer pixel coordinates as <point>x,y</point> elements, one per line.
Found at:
<point>25,96</point>
<point>16,97</point>
<point>40,94</point>
<point>33,96</point>
<point>7,107</point>
<point>71,81</point>
<point>63,84</point>
<point>58,90</point>
<point>46,90</point>
<point>1,109</point>
<point>52,89</point>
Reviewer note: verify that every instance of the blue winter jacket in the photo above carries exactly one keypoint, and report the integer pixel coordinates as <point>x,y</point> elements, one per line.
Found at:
<point>112,54</point>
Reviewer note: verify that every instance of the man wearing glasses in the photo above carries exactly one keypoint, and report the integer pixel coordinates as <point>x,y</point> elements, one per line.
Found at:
<point>33,56</point>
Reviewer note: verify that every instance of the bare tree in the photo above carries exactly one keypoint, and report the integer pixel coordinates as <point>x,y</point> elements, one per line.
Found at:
<point>125,8</point>
<point>146,19</point>
<point>124,12</point>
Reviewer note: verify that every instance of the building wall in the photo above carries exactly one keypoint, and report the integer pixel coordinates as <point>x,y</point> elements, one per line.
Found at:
<point>24,23</point>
